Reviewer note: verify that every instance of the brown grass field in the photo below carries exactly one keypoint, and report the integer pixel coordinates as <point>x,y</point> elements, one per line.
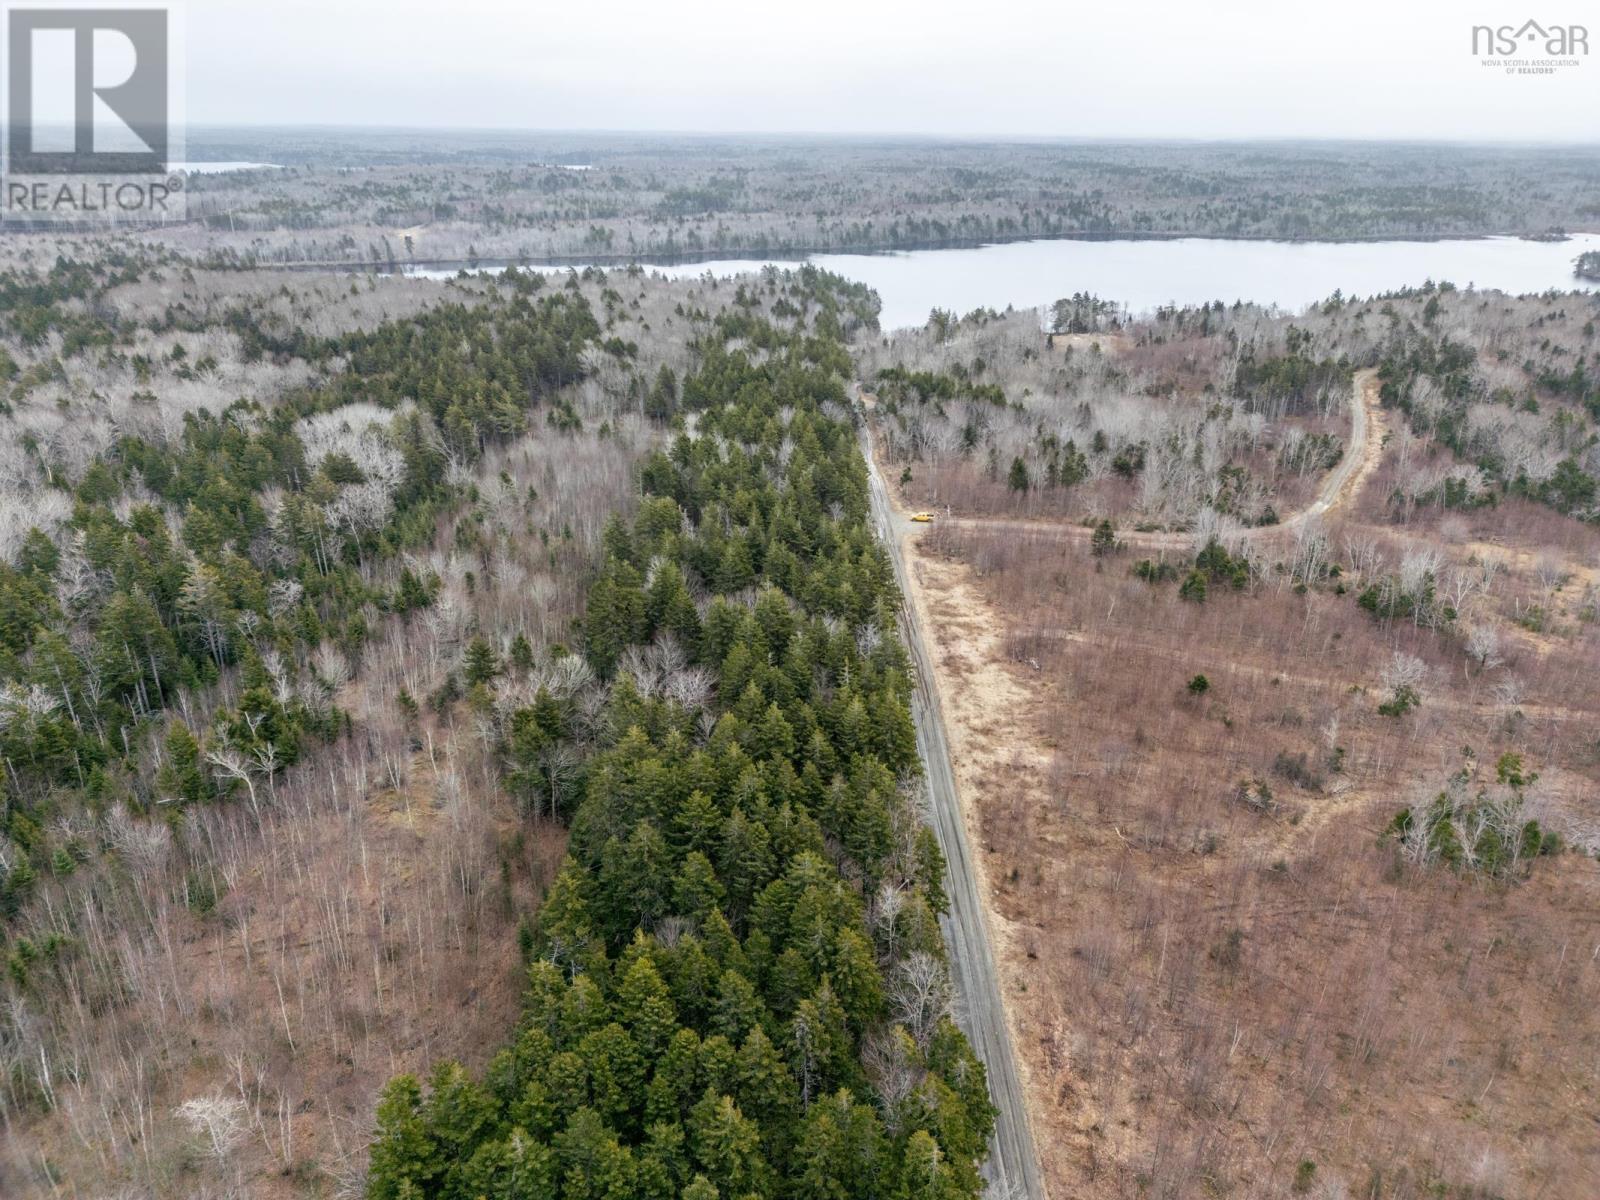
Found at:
<point>1214,1000</point>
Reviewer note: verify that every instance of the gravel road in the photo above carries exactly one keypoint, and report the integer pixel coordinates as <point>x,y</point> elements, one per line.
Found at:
<point>1013,1167</point>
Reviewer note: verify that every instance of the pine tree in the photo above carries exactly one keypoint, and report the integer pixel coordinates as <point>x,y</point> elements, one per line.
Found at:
<point>1104,540</point>
<point>645,1008</point>
<point>521,655</point>
<point>726,1146</point>
<point>479,664</point>
<point>1017,480</point>
<point>856,978</point>
<point>458,1113</point>
<point>663,398</point>
<point>404,1153</point>
<point>182,777</point>
<point>696,891</point>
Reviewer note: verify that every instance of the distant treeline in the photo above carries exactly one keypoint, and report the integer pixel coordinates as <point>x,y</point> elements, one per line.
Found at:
<point>511,197</point>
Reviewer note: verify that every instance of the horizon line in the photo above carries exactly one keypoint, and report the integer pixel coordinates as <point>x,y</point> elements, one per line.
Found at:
<point>902,135</point>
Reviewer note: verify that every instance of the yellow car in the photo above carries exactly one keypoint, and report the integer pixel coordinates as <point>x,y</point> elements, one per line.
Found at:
<point>922,517</point>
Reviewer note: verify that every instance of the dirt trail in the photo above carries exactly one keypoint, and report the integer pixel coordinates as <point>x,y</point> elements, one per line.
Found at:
<point>1361,456</point>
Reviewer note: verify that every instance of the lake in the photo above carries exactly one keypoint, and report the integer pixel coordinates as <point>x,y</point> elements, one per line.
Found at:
<point>220,168</point>
<point>1144,275</point>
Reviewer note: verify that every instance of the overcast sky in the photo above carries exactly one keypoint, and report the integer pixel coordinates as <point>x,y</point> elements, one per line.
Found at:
<point>1208,68</point>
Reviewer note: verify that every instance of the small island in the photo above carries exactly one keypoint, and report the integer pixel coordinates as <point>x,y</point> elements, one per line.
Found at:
<point>1587,265</point>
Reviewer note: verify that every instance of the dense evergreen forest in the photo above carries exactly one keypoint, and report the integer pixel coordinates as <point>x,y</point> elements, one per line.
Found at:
<point>737,986</point>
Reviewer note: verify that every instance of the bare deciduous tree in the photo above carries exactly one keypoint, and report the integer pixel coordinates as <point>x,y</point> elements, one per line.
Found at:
<point>1483,646</point>
<point>221,1119</point>
<point>919,994</point>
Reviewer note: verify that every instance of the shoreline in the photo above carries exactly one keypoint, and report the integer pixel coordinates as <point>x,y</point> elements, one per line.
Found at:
<point>804,254</point>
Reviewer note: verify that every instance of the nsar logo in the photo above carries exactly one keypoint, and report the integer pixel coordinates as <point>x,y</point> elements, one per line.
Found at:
<point>1530,48</point>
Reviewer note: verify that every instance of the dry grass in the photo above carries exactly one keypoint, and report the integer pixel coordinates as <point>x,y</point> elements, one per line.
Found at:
<point>1206,995</point>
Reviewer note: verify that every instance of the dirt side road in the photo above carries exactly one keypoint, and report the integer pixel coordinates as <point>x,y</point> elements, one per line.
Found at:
<point>1013,1166</point>
<point>1361,456</point>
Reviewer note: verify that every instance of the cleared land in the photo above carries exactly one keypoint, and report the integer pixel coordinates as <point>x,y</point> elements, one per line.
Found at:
<point>1220,989</point>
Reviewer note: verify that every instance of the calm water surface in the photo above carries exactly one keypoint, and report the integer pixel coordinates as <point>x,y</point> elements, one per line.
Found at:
<point>219,168</point>
<point>1145,274</point>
